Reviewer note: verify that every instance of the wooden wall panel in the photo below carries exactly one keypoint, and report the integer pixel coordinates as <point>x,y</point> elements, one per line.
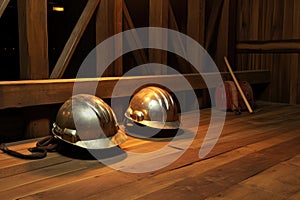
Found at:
<point>268,20</point>
<point>298,85</point>
<point>284,86</point>
<point>268,37</point>
<point>288,19</point>
<point>294,67</point>
<point>296,19</point>
<point>226,36</point>
<point>220,31</point>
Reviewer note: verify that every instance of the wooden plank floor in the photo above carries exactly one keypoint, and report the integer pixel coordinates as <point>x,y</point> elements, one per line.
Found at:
<point>256,157</point>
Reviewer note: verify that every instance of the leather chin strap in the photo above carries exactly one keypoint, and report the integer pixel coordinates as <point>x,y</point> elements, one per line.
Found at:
<point>40,151</point>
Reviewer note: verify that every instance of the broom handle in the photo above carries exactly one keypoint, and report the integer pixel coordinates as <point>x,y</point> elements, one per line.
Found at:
<point>238,86</point>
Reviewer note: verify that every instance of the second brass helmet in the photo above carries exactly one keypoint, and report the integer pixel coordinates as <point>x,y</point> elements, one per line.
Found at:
<point>154,107</point>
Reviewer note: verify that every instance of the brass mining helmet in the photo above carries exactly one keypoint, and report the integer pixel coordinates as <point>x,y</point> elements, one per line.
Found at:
<point>153,107</point>
<point>88,122</point>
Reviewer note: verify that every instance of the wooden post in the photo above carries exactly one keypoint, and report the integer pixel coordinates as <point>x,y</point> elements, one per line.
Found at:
<point>33,39</point>
<point>196,20</point>
<point>158,17</point>
<point>34,62</point>
<point>196,26</point>
<point>196,30</point>
<point>109,21</point>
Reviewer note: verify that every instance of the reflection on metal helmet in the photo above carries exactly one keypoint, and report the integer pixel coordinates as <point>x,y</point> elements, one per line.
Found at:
<point>88,122</point>
<point>154,107</point>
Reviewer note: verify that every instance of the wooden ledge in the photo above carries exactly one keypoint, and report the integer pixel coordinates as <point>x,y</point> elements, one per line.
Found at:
<point>16,94</point>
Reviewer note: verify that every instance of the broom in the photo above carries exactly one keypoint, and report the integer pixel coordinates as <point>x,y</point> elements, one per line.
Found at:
<point>238,86</point>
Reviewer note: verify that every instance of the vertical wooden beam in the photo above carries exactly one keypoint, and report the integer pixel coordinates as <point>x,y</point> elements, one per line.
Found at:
<point>158,17</point>
<point>158,13</point>
<point>3,5</point>
<point>33,39</point>
<point>196,30</point>
<point>196,24</point>
<point>109,21</point>
<point>34,62</point>
<point>196,20</point>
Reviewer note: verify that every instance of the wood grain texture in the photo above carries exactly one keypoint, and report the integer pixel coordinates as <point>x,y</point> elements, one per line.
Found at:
<point>294,78</point>
<point>3,5</point>
<point>34,61</point>
<point>109,21</point>
<point>158,17</point>
<point>33,39</point>
<point>267,20</point>
<point>269,46</point>
<point>179,43</point>
<point>284,69</point>
<point>220,31</point>
<point>196,20</point>
<point>268,36</point>
<point>256,156</point>
<point>44,92</point>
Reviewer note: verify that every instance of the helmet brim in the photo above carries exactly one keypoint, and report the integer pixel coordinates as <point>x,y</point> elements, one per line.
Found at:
<point>157,124</point>
<point>101,143</point>
<point>161,125</point>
